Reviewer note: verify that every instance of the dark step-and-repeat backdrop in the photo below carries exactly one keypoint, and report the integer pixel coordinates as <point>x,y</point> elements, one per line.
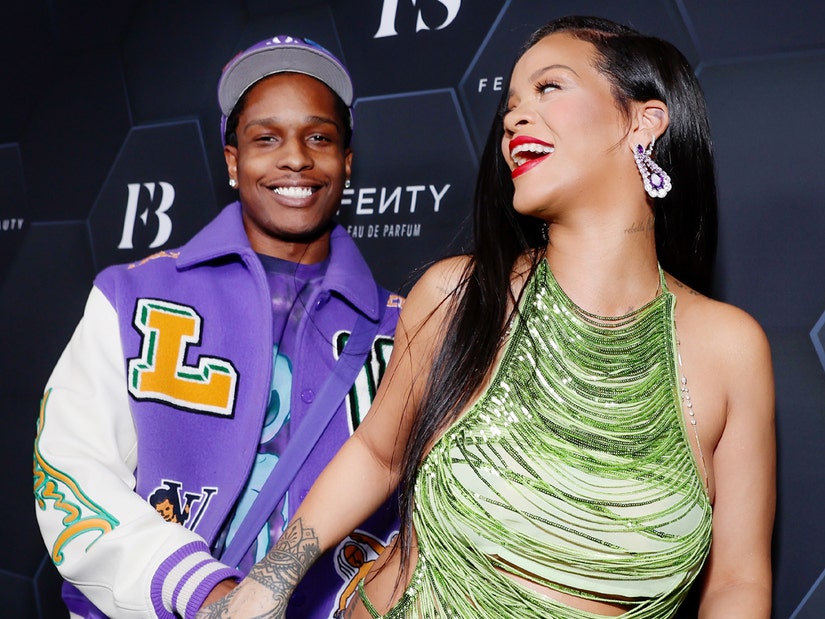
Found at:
<point>110,150</point>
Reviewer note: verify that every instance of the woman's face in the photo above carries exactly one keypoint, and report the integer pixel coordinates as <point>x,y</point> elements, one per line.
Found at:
<point>563,131</point>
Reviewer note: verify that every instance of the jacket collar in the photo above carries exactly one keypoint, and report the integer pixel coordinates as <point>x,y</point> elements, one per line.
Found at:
<point>348,274</point>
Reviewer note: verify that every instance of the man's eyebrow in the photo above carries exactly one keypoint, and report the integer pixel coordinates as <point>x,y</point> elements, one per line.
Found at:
<point>274,120</point>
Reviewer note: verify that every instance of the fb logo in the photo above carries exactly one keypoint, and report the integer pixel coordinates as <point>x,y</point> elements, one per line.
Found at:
<point>390,12</point>
<point>167,198</point>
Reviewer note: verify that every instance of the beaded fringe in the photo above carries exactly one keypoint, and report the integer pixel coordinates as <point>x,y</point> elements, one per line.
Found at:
<point>573,470</point>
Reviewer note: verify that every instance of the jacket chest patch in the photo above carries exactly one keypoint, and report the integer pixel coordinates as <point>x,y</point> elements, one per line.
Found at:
<point>160,373</point>
<point>184,507</point>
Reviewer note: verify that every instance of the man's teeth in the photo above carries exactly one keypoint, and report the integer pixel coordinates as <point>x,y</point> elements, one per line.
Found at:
<point>532,147</point>
<point>294,192</point>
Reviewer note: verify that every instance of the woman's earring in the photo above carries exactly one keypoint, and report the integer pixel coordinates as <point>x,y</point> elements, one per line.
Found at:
<point>233,183</point>
<point>656,180</point>
<point>544,231</point>
<point>347,184</point>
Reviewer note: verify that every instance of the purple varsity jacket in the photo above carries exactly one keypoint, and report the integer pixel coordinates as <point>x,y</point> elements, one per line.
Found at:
<point>170,407</point>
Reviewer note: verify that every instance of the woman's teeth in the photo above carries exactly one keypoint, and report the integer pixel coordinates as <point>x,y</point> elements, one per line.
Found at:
<point>532,149</point>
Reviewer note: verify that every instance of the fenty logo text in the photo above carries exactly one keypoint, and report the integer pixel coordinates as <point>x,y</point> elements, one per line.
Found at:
<point>15,223</point>
<point>167,198</point>
<point>389,13</point>
<point>369,201</point>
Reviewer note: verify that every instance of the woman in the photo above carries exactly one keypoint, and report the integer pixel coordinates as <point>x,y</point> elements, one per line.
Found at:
<point>570,422</point>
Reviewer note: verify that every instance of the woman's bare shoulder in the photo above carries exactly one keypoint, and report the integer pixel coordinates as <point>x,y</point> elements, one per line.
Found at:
<point>444,276</point>
<point>442,284</point>
<point>436,289</point>
<point>728,330</point>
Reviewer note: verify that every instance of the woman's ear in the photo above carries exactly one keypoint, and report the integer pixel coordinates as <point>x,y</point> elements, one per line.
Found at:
<point>650,120</point>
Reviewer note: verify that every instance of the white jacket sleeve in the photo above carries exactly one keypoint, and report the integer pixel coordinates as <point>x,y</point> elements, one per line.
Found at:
<point>103,537</point>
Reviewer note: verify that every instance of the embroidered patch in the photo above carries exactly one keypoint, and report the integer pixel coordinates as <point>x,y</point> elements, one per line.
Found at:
<point>183,508</point>
<point>83,515</point>
<point>161,374</point>
<point>361,395</point>
<point>354,557</point>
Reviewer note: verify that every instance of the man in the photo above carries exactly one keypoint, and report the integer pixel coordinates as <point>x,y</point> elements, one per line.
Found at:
<point>192,371</point>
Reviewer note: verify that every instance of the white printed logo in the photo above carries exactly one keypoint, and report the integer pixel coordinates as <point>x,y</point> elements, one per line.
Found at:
<point>15,223</point>
<point>167,198</point>
<point>390,11</point>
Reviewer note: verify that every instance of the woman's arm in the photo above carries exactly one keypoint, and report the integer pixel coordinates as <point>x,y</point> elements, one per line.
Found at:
<point>365,471</point>
<point>738,574</point>
<point>349,489</point>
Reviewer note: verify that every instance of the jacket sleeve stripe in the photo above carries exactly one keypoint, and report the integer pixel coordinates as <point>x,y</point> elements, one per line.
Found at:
<point>185,578</point>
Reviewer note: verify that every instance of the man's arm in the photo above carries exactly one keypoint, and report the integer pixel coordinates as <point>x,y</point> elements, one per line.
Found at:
<point>104,538</point>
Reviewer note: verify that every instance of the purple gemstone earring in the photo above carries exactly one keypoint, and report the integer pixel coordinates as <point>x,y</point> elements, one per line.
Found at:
<point>656,180</point>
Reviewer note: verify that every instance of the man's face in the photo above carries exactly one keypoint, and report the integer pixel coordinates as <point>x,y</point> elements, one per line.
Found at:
<point>290,165</point>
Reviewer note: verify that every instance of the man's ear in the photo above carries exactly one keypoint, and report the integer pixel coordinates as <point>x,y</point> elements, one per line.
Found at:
<point>230,153</point>
<point>650,120</point>
<point>348,162</point>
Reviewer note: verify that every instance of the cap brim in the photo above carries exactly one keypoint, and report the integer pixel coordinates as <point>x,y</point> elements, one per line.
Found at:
<point>253,66</point>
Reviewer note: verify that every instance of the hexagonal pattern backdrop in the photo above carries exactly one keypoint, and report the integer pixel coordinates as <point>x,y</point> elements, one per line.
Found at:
<point>110,150</point>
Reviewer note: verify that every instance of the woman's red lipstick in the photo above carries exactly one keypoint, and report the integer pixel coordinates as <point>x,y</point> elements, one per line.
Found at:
<point>533,150</point>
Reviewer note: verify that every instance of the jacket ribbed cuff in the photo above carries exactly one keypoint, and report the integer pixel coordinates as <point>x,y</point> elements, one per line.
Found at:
<point>185,578</point>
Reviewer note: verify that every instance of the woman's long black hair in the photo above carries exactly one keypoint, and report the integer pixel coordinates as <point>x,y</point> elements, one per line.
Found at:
<point>640,68</point>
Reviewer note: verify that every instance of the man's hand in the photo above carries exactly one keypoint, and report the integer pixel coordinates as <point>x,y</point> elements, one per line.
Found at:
<point>249,600</point>
<point>221,590</point>
<point>265,592</point>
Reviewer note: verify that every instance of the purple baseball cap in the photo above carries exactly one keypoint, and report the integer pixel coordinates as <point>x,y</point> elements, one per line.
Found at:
<point>281,54</point>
